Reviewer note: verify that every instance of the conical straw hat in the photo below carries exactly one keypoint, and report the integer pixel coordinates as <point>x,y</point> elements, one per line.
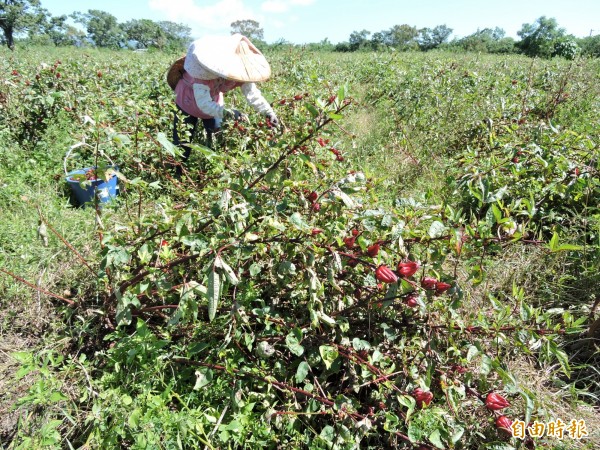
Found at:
<point>232,57</point>
<point>175,73</point>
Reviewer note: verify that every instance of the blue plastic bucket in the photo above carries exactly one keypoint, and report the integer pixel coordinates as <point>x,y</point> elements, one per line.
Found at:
<point>104,190</point>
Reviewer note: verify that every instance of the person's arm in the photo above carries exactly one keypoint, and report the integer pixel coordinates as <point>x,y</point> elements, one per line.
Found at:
<point>258,102</point>
<point>205,103</point>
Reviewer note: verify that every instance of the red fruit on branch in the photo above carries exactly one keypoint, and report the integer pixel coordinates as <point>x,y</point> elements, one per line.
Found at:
<point>282,101</point>
<point>315,231</point>
<point>349,241</point>
<point>429,283</point>
<point>407,269</point>
<point>352,262</point>
<point>411,301</point>
<point>322,142</point>
<point>441,287</point>
<point>313,196</point>
<point>503,423</point>
<point>422,397</point>
<point>316,207</point>
<point>385,275</point>
<point>496,402</point>
<point>298,97</point>
<point>373,250</point>
<point>355,232</point>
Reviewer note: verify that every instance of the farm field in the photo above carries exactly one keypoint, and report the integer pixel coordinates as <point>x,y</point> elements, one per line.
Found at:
<point>422,232</point>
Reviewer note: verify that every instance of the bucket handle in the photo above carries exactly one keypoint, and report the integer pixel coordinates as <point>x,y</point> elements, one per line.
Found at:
<point>79,144</point>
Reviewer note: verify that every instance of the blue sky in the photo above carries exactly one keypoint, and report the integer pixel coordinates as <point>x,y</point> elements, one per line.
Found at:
<point>302,21</point>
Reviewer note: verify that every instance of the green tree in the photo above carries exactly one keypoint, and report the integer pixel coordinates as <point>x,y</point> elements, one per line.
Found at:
<point>403,37</point>
<point>17,16</point>
<point>359,39</point>
<point>538,38</point>
<point>249,28</point>
<point>432,38</point>
<point>144,33</point>
<point>57,31</point>
<point>102,28</point>
<point>590,45</point>
<point>487,40</point>
<point>177,35</point>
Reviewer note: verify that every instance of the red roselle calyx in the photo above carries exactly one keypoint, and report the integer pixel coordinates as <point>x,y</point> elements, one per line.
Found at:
<point>411,301</point>
<point>313,196</point>
<point>503,423</point>
<point>422,397</point>
<point>407,269</point>
<point>429,283</point>
<point>349,241</point>
<point>385,275</point>
<point>442,287</point>
<point>373,250</point>
<point>496,402</point>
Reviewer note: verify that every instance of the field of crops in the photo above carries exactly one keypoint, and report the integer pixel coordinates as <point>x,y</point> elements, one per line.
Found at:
<point>410,261</point>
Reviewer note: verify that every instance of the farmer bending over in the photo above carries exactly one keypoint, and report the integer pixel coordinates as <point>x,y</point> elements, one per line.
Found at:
<point>212,66</point>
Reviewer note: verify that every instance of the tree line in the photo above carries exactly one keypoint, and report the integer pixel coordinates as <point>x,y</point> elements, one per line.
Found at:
<point>28,20</point>
<point>543,38</point>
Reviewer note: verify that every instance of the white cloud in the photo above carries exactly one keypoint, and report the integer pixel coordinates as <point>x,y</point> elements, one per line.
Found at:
<point>202,18</point>
<point>302,2</point>
<point>275,6</point>
<point>281,6</point>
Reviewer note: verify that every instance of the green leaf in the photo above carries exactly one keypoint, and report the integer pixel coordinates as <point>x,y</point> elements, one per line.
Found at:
<point>497,195</point>
<point>213,293</point>
<point>229,273</point>
<point>171,149</point>
<point>302,371</point>
<point>312,110</point>
<point>342,92</point>
<point>436,229</point>
<point>204,376</point>
<point>555,247</point>
<point>328,354</point>
<point>436,439</point>
<point>360,344</point>
<point>293,340</point>
<point>254,269</point>
<point>327,433</point>
<point>298,222</point>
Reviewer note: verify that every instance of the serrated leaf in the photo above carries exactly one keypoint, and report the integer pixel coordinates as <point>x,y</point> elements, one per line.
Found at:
<point>213,293</point>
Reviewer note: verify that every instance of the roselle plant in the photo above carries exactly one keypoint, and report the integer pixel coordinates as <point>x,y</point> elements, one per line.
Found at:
<point>240,306</point>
